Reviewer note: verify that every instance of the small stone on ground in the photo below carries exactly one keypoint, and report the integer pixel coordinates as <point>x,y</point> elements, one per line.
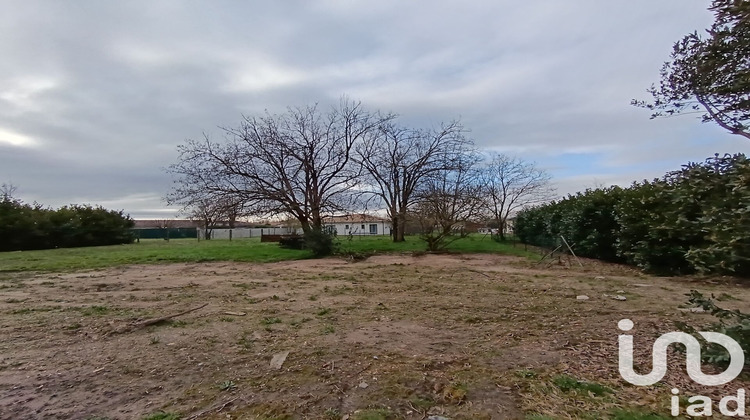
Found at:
<point>278,359</point>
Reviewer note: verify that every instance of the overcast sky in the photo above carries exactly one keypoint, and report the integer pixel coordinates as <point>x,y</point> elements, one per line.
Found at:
<point>96,95</point>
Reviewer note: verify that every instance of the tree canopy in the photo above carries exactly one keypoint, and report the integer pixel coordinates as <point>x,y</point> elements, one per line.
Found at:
<point>710,74</point>
<point>298,163</point>
<point>32,226</point>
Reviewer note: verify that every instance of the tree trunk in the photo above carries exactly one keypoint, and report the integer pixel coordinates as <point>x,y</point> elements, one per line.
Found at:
<point>306,228</point>
<point>401,227</point>
<point>317,221</point>
<point>501,229</point>
<point>394,228</point>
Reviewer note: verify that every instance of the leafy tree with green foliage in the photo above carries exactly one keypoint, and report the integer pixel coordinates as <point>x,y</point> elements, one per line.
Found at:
<point>586,219</point>
<point>25,227</point>
<point>710,74</point>
<point>715,200</point>
<point>591,223</point>
<point>733,323</point>
<point>647,236</point>
<point>695,219</point>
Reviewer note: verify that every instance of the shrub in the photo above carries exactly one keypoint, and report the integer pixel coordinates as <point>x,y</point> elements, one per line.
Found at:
<point>587,219</point>
<point>320,242</point>
<point>735,324</point>
<point>695,219</point>
<point>25,227</point>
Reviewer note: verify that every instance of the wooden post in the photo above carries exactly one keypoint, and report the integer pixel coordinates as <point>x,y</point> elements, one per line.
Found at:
<point>571,251</point>
<point>548,254</point>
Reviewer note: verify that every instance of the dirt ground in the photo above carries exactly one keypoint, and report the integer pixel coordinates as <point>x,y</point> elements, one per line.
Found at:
<point>463,337</point>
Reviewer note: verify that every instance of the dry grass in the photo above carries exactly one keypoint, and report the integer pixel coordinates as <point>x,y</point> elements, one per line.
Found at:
<point>466,337</point>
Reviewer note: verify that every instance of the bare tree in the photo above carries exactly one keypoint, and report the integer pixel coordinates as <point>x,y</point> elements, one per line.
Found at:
<point>448,200</point>
<point>209,211</point>
<point>511,184</point>
<point>299,163</point>
<point>399,159</point>
<point>7,191</point>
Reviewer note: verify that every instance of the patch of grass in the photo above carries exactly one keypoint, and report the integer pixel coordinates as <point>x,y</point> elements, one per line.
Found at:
<point>227,386</point>
<point>154,251</point>
<point>332,414</point>
<point>96,310</point>
<point>329,329</point>
<point>154,340</point>
<point>298,323</point>
<point>526,373</point>
<point>23,311</point>
<point>422,404</point>
<point>455,393</point>
<point>568,383</point>
<point>475,243</point>
<point>323,312</point>
<point>158,251</point>
<point>246,341</point>
<point>270,320</point>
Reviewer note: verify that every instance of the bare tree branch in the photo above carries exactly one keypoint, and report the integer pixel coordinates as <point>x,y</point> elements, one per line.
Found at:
<point>299,163</point>
<point>511,184</point>
<point>399,159</point>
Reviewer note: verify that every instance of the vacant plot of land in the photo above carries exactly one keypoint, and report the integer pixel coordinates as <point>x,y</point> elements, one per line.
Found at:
<point>463,337</point>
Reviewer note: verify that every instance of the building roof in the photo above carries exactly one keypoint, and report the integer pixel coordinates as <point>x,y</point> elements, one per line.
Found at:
<point>354,218</point>
<point>160,223</point>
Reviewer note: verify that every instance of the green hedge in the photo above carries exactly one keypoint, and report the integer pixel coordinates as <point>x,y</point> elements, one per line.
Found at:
<point>696,219</point>
<point>25,226</point>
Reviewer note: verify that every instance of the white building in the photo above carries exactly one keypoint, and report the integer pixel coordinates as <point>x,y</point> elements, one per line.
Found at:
<point>358,224</point>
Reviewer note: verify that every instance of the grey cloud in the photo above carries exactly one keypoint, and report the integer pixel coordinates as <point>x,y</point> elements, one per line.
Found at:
<point>107,90</point>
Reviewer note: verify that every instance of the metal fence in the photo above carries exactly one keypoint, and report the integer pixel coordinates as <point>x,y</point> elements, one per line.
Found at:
<point>164,233</point>
<point>240,233</point>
